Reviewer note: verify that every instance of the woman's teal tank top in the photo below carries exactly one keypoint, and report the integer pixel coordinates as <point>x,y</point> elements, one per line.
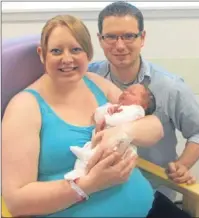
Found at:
<point>132,199</point>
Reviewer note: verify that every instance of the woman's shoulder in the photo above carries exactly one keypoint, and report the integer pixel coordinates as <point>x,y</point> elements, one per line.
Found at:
<point>99,80</point>
<point>25,99</point>
<point>23,105</point>
<point>110,89</point>
<point>103,83</point>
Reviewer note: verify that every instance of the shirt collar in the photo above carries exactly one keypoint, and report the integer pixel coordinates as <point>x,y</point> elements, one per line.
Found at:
<point>144,70</point>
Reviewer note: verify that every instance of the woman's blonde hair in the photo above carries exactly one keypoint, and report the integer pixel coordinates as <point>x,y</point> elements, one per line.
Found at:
<point>77,28</point>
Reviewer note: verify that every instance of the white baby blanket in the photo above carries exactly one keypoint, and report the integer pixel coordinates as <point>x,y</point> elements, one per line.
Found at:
<point>83,154</point>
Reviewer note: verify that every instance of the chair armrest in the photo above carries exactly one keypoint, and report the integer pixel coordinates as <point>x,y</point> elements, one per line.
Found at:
<point>4,209</point>
<point>161,177</point>
<point>190,192</point>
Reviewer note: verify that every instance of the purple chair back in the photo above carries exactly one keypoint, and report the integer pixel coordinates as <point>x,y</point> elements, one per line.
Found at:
<point>21,66</point>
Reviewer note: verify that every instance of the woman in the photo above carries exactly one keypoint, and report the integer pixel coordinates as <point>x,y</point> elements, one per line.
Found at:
<point>55,112</point>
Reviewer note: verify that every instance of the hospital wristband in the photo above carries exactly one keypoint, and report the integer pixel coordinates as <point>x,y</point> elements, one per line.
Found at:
<point>82,196</point>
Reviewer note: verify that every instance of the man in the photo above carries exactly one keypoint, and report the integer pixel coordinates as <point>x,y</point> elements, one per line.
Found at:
<point>121,36</point>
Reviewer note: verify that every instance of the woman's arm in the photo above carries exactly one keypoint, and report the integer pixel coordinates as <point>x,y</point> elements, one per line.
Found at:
<point>144,132</point>
<point>20,152</point>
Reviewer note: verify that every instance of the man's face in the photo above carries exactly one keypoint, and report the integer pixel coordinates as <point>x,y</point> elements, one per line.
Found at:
<point>122,53</point>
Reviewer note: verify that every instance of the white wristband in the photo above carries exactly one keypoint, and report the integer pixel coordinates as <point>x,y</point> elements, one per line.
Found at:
<point>78,190</point>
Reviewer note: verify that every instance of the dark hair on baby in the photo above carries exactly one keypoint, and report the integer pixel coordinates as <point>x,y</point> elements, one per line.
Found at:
<point>152,102</point>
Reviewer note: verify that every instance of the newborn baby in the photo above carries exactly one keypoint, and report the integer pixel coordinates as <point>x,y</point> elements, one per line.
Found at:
<point>134,103</point>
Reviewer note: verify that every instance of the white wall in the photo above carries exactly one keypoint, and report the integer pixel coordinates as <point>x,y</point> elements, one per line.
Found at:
<point>172,34</point>
<point>172,37</point>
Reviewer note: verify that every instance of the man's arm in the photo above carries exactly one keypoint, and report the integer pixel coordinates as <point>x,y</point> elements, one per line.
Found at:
<point>184,112</point>
<point>190,155</point>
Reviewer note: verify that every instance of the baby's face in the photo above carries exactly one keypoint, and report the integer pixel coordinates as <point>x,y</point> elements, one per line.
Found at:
<point>135,94</point>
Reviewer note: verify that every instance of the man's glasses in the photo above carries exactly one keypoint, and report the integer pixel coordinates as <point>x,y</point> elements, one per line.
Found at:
<point>127,37</point>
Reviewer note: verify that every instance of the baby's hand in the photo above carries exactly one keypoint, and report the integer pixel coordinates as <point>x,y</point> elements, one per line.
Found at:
<point>114,109</point>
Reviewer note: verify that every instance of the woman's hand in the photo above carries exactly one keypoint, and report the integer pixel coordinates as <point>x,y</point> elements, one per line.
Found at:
<point>112,136</point>
<point>103,151</point>
<point>112,170</point>
<point>106,141</point>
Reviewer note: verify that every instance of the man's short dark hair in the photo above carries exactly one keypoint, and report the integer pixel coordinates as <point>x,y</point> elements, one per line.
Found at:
<point>120,9</point>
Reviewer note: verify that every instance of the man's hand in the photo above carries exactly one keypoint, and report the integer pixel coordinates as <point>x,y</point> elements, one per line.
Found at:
<point>180,173</point>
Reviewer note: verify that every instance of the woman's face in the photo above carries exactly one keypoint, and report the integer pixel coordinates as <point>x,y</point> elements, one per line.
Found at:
<point>65,59</point>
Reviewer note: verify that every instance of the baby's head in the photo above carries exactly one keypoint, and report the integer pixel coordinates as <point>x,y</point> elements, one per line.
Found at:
<point>140,95</point>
